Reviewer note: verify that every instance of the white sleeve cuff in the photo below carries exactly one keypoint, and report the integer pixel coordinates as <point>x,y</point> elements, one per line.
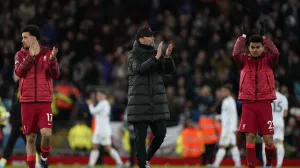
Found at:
<point>244,35</point>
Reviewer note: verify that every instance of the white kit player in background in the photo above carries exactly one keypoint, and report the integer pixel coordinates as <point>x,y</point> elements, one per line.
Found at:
<point>279,110</point>
<point>229,119</point>
<point>102,133</point>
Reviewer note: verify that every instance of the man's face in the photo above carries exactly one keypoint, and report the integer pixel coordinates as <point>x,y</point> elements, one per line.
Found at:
<point>225,92</point>
<point>149,41</point>
<point>27,39</point>
<point>256,49</point>
<point>100,96</point>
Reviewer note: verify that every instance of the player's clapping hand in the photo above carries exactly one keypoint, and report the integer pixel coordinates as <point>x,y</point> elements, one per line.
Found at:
<point>244,29</point>
<point>89,101</point>
<point>32,47</point>
<point>262,30</point>
<point>53,53</point>
<point>159,51</point>
<point>169,50</point>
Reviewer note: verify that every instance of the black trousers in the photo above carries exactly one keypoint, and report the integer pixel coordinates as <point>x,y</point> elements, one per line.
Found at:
<point>132,152</point>
<point>159,131</point>
<point>209,154</point>
<point>15,133</point>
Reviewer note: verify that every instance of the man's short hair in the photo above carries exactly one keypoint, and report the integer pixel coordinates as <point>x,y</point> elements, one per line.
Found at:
<point>103,91</point>
<point>33,30</point>
<point>227,86</point>
<point>256,39</point>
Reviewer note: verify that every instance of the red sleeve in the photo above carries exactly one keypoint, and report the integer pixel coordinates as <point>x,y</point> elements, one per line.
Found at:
<point>54,69</point>
<point>272,51</point>
<point>22,66</point>
<point>238,49</point>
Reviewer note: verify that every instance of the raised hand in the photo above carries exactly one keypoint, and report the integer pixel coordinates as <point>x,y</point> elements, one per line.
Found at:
<point>244,30</point>
<point>262,28</point>
<point>159,51</point>
<point>89,101</point>
<point>32,49</point>
<point>53,53</point>
<point>169,50</point>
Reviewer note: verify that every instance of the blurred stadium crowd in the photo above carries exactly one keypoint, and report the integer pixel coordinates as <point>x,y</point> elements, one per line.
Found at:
<point>94,36</point>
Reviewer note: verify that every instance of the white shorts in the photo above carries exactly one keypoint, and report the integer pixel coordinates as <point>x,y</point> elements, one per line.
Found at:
<point>278,133</point>
<point>101,139</point>
<point>227,138</point>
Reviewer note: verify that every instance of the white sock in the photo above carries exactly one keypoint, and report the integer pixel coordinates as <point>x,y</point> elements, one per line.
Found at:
<point>219,157</point>
<point>44,159</point>
<point>235,153</point>
<point>3,162</point>
<point>280,154</point>
<point>115,155</point>
<point>93,157</point>
<point>264,155</point>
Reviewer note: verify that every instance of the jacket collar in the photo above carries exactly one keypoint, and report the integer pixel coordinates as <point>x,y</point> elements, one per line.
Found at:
<point>260,57</point>
<point>138,47</point>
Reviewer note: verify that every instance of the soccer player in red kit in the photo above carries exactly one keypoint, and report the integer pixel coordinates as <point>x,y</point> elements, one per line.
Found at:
<point>257,91</point>
<point>36,66</point>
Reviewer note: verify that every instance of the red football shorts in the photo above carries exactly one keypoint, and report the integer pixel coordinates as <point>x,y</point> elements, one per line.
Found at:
<point>36,116</point>
<point>257,118</point>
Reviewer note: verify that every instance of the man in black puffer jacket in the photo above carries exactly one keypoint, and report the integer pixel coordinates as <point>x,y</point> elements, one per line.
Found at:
<point>147,100</point>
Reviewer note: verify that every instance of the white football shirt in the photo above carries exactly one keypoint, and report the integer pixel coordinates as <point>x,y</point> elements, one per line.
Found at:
<point>278,107</point>
<point>101,112</point>
<point>229,115</point>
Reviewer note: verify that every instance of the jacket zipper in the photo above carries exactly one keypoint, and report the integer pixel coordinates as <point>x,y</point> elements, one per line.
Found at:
<point>152,104</point>
<point>35,80</point>
<point>256,78</point>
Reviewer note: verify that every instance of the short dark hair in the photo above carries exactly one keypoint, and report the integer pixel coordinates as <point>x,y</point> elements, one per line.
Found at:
<point>103,91</point>
<point>33,31</point>
<point>227,86</point>
<point>256,39</point>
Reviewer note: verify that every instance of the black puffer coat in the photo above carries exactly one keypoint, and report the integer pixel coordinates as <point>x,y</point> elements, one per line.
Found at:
<point>147,100</point>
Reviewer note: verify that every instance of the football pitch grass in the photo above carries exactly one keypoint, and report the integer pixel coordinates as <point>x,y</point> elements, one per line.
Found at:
<point>134,167</point>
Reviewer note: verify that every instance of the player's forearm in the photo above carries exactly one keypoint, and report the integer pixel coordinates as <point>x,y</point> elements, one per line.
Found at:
<point>22,67</point>
<point>92,110</point>
<point>238,49</point>
<point>272,49</point>
<point>239,46</point>
<point>95,110</point>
